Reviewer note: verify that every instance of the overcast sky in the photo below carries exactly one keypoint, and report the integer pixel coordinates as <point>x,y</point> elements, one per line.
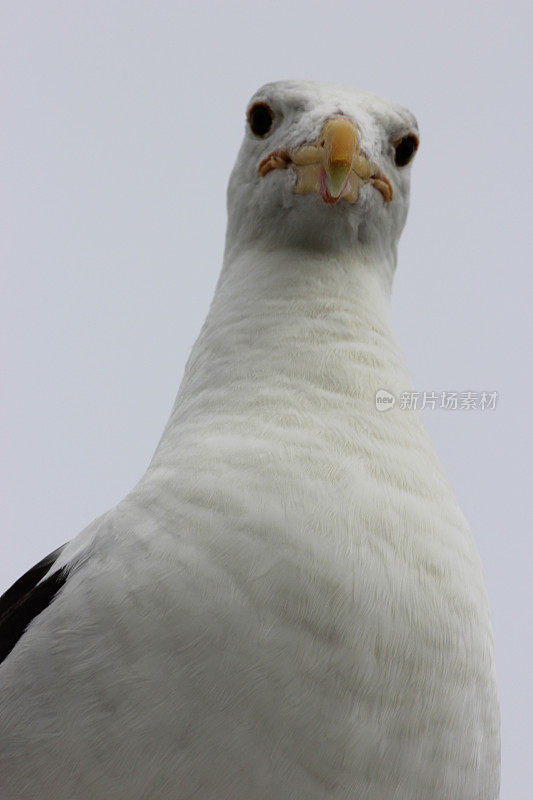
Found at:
<point>112,227</point>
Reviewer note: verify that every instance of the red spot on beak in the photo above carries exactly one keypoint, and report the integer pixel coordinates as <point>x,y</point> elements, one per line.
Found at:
<point>324,191</point>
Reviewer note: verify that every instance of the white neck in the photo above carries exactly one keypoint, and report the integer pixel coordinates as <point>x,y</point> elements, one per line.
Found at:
<point>298,321</point>
<point>294,341</point>
<point>277,403</point>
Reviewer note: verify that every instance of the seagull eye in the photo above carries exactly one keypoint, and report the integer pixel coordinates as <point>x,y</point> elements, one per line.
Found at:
<point>405,149</point>
<point>260,117</point>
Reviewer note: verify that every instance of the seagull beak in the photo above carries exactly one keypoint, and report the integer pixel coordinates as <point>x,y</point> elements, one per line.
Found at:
<point>340,142</point>
<point>333,166</point>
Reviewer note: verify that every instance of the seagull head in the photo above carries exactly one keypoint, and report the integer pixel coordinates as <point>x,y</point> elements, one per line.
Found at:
<point>321,166</point>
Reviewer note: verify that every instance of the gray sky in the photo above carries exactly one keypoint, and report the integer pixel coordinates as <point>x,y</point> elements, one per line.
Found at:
<point>112,233</point>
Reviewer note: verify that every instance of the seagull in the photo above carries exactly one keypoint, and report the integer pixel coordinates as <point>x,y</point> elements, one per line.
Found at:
<point>289,605</point>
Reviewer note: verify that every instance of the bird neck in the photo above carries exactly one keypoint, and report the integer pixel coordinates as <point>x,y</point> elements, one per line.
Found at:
<point>278,403</point>
<point>291,333</point>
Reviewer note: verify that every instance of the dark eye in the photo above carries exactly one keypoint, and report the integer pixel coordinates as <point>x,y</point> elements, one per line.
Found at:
<point>260,117</point>
<point>405,150</point>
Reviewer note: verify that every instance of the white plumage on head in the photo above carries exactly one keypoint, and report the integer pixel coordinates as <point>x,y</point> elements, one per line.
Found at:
<point>290,603</point>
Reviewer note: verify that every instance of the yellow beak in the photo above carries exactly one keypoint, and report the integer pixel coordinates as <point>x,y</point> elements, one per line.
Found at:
<point>339,138</point>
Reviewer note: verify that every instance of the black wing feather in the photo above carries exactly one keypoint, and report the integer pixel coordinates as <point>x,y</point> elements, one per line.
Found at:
<point>26,599</point>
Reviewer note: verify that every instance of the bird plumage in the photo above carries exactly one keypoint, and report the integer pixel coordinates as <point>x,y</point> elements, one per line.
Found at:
<point>290,603</point>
